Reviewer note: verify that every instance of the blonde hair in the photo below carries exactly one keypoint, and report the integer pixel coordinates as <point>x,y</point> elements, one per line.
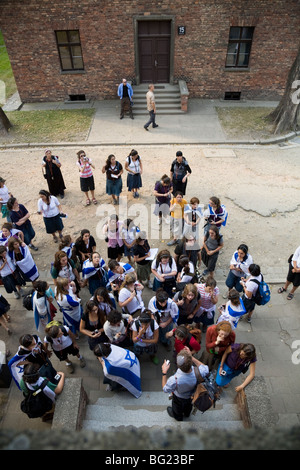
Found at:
<point>190,288</point>
<point>129,279</point>
<point>60,287</point>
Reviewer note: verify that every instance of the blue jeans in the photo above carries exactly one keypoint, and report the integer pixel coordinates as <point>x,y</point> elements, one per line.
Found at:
<point>233,281</point>
<point>151,120</point>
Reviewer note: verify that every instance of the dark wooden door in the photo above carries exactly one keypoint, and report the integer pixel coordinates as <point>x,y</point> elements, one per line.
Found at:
<point>154,51</point>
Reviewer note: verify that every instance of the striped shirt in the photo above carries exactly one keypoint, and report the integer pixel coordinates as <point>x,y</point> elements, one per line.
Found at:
<point>87,171</point>
<point>206,302</point>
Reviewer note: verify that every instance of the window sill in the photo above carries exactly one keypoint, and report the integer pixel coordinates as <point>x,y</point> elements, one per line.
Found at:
<point>236,69</point>
<point>72,72</point>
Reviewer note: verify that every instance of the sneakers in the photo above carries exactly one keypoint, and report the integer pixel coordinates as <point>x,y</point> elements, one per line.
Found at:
<point>150,285</point>
<point>146,128</point>
<point>172,242</point>
<point>33,247</point>
<point>16,295</point>
<point>167,219</point>
<point>159,221</point>
<point>70,367</point>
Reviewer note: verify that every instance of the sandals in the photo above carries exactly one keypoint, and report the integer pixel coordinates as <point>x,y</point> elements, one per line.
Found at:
<point>281,289</point>
<point>88,202</point>
<point>290,296</point>
<point>94,201</point>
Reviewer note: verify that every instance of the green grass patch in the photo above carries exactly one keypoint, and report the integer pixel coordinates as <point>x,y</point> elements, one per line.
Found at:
<point>49,126</point>
<point>6,73</point>
<point>242,123</point>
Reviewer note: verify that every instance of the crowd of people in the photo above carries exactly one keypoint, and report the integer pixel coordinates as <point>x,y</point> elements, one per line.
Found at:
<point>120,326</point>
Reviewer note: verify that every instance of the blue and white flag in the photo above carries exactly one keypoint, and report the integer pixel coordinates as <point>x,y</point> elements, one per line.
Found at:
<point>70,306</point>
<point>26,265</point>
<point>88,268</point>
<point>233,314</point>
<point>122,366</point>
<point>127,268</point>
<point>16,370</point>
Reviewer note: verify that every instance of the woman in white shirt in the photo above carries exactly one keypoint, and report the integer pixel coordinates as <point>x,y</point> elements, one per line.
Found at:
<point>250,287</point>
<point>164,269</point>
<point>134,167</point>
<point>130,295</point>
<point>50,208</point>
<point>239,267</point>
<point>293,276</point>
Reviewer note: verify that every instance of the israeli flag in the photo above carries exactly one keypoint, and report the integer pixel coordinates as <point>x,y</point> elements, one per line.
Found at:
<point>113,276</point>
<point>88,268</point>
<point>26,265</point>
<point>16,370</point>
<point>122,366</point>
<point>233,314</point>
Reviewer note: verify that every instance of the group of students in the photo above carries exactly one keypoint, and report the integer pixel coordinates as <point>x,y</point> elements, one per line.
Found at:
<point>118,325</point>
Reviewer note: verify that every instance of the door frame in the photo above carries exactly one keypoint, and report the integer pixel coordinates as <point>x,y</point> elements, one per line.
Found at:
<point>136,20</point>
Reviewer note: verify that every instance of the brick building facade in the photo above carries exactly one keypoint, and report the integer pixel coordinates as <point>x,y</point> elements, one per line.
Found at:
<point>85,47</point>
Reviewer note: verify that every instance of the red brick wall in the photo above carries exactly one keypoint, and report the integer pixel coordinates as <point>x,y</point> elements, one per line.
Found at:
<point>107,37</point>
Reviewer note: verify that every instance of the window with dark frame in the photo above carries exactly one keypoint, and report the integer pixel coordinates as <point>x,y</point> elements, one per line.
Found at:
<point>239,47</point>
<point>69,49</point>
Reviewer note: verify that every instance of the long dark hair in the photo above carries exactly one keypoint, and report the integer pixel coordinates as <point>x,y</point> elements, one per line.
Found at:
<point>217,232</point>
<point>102,292</point>
<point>101,315</point>
<point>108,161</point>
<point>45,193</point>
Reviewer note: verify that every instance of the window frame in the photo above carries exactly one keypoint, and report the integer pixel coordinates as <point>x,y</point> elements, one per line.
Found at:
<point>239,41</point>
<point>69,44</point>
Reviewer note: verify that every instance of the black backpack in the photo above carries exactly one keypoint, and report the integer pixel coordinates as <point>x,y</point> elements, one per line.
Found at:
<point>27,300</point>
<point>36,403</point>
<point>206,393</point>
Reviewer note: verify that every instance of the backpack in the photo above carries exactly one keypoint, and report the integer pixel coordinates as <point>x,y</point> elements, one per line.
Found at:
<point>206,393</point>
<point>36,403</point>
<point>27,300</point>
<point>263,293</point>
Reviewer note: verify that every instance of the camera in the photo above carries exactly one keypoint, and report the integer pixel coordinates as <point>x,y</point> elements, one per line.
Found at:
<point>95,332</point>
<point>57,377</point>
<point>223,372</point>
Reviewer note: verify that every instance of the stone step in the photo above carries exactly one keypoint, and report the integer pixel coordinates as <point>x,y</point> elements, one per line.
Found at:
<point>150,411</point>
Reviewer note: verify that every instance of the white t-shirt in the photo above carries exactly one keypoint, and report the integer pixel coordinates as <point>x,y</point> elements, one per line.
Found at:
<point>135,304</point>
<point>148,335</point>
<point>187,277</point>
<point>4,195</point>
<point>296,257</point>
<point>60,343</point>
<point>252,286</point>
<point>133,165</point>
<point>243,265</point>
<point>164,268</point>
<point>50,210</point>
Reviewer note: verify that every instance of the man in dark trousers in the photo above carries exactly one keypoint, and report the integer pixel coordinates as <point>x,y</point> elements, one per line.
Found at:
<point>182,384</point>
<point>125,93</point>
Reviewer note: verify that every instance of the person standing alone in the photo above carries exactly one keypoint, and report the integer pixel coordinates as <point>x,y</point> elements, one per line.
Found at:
<point>125,93</point>
<point>151,107</point>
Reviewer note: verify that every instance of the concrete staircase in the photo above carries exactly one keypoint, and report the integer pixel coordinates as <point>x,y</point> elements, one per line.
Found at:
<point>167,99</point>
<point>117,411</point>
